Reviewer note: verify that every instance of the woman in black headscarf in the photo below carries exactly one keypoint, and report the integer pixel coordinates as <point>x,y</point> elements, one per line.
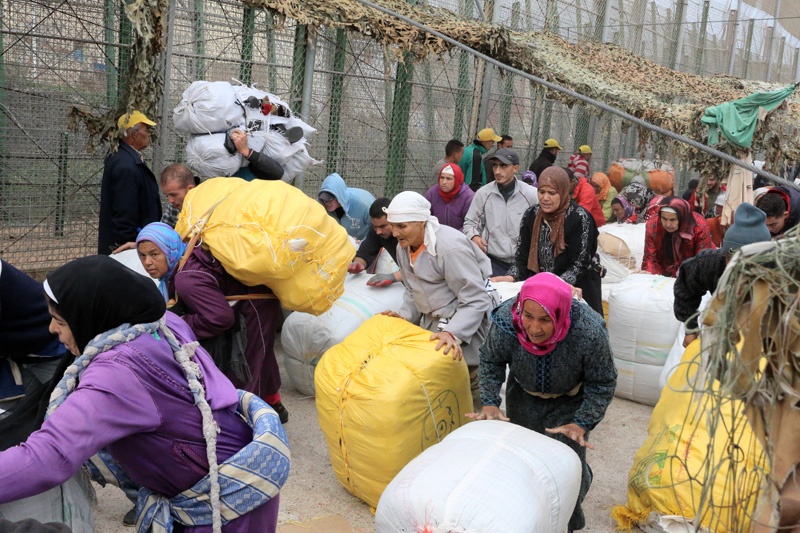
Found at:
<point>143,395</point>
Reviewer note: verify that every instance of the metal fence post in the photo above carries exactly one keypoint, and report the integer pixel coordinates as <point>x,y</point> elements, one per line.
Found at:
<point>781,50</point>
<point>748,46</point>
<point>198,20</point>
<point>459,123</point>
<point>430,106</point>
<point>308,89</point>
<point>337,86</point>
<point>733,24</point>
<point>110,54</point>
<point>248,29</point>
<point>159,158</point>
<point>298,65</point>
<point>676,50</point>
<point>124,51</point>
<point>508,89</point>
<point>272,71</point>
<point>775,16</point>
<point>61,193</point>
<point>398,128</point>
<point>488,75</point>
<point>701,39</point>
<point>3,213</point>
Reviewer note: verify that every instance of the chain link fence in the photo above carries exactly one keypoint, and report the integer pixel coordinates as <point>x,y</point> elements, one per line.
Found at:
<point>382,120</point>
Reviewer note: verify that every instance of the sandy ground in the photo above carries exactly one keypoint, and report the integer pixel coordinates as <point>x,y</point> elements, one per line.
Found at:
<point>312,490</point>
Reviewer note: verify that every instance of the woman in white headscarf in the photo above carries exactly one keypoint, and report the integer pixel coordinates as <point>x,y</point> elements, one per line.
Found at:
<point>445,278</point>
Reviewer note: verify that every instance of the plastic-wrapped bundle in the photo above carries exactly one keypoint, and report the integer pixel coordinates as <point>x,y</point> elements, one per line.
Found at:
<point>641,331</point>
<point>384,395</point>
<point>293,157</point>
<point>306,337</point>
<point>130,258</point>
<point>256,120</point>
<point>270,233</point>
<point>657,175</point>
<point>208,107</point>
<point>485,477</point>
<point>208,157</point>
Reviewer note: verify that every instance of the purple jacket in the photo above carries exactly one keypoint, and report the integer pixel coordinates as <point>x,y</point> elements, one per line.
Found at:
<point>450,214</point>
<point>202,286</point>
<point>134,400</point>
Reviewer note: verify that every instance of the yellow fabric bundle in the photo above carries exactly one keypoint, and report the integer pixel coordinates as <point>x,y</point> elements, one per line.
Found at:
<point>384,395</point>
<point>672,466</point>
<point>270,233</point>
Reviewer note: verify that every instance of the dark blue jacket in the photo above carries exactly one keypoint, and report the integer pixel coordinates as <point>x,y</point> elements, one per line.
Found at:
<point>129,199</point>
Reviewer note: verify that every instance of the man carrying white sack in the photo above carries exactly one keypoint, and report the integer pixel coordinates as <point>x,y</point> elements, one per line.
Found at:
<point>445,278</point>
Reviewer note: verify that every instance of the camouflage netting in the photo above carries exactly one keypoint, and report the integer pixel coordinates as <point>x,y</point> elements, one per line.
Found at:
<point>608,73</point>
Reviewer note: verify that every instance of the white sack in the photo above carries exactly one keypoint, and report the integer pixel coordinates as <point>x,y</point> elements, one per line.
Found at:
<point>130,258</point>
<point>208,107</point>
<point>207,156</point>
<point>305,337</point>
<point>485,477</point>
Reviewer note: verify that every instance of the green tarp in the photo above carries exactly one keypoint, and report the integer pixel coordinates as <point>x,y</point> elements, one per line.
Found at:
<point>737,119</point>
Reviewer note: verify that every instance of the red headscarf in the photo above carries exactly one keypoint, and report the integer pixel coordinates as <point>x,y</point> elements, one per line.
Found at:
<point>555,296</point>
<point>685,229</point>
<point>459,178</point>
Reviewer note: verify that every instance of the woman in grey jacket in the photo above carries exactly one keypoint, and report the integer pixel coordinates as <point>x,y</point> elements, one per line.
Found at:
<point>445,278</point>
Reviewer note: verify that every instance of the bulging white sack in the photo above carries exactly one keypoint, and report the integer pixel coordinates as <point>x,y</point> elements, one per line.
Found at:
<point>485,477</point>
<point>305,337</point>
<point>208,157</point>
<point>208,107</point>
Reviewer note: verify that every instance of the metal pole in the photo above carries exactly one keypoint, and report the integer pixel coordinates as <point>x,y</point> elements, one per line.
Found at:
<point>772,38</point>
<point>298,65</point>
<point>508,90</point>
<point>61,187</point>
<point>677,52</point>
<point>248,29</point>
<point>797,64</point>
<point>337,87</point>
<point>124,50</point>
<point>199,40</point>
<point>111,54</point>
<point>701,40</point>
<point>733,24</point>
<point>781,49</point>
<point>159,149</point>
<point>398,129</point>
<point>308,79</point>
<point>748,47</point>
<point>486,89</point>
<point>459,124</point>
<point>272,73</point>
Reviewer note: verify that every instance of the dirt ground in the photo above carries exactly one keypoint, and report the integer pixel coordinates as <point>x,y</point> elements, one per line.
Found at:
<point>312,491</point>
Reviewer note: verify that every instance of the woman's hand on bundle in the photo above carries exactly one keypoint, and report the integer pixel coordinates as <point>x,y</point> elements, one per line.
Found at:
<point>489,412</point>
<point>572,431</point>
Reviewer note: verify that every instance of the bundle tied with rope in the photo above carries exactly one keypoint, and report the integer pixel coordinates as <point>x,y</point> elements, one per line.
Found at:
<point>270,233</point>
<point>751,351</point>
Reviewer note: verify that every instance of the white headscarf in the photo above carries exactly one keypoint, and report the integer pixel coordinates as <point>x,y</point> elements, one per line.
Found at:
<point>410,206</point>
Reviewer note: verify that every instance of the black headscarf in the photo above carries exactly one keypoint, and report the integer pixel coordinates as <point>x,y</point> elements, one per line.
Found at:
<point>96,293</point>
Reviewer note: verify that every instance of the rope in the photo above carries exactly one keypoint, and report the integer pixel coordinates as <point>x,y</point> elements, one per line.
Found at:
<point>605,107</point>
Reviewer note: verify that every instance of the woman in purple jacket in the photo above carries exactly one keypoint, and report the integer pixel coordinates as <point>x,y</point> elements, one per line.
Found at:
<point>449,199</point>
<point>153,407</point>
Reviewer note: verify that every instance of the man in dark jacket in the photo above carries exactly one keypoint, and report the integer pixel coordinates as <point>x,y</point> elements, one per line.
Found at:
<point>700,274</point>
<point>547,157</point>
<point>472,161</point>
<point>379,237</point>
<point>129,194</point>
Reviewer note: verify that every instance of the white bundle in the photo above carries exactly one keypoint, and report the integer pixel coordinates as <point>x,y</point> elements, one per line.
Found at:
<point>208,157</point>
<point>293,157</point>
<point>485,477</point>
<point>208,107</point>
<point>306,337</point>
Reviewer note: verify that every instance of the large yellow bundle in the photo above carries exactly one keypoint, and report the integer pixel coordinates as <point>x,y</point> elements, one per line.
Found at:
<point>384,395</point>
<point>672,466</point>
<point>270,233</point>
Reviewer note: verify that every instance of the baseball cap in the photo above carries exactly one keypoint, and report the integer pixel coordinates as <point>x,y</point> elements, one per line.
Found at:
<point>325,196</point>
<point>488,134</point>
<point>585,149</point>
<point>506,156</point>
<point>134,118</point>
<point>552,143</point>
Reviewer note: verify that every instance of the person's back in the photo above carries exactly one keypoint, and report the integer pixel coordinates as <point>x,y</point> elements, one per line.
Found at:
<point>585,196</point>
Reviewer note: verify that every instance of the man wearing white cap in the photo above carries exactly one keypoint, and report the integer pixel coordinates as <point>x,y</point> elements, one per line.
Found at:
<point>444,275</point>
<point>129,194</point>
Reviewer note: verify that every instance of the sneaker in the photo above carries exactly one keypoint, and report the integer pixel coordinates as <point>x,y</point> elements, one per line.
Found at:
<point>283,414</point>
<point>129,519</point>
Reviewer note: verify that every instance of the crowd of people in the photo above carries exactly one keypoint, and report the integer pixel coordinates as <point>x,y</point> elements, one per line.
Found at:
<point>479,223</point>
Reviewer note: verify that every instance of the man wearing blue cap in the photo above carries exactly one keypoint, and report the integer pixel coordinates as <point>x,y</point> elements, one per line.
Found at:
<point>701,273</point>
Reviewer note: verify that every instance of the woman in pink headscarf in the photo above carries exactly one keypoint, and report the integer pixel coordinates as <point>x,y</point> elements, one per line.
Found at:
<point>562,375</point>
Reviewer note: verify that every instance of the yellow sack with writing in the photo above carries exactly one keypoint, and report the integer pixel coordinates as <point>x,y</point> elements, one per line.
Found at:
<point>270,233</point>
<point>673,465</point>
<point>384,394</point>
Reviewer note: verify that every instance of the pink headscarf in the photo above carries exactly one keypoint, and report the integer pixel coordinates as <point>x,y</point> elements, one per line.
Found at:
<point>555,296</point>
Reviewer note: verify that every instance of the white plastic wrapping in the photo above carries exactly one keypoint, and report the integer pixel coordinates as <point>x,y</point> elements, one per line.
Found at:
<point>641,330</point>
<point>130,258</point>
<point>485,477</point>
<point>305,337</point>
<point>208,107</point>
<point>208,157</point>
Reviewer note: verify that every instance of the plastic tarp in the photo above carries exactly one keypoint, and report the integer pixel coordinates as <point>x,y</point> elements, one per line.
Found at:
<point>486,477</point>
<point>384,395</point>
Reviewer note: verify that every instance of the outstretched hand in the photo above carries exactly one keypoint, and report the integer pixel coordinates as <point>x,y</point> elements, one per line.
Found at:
<point>572,431</point>
<point>449,343</point>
